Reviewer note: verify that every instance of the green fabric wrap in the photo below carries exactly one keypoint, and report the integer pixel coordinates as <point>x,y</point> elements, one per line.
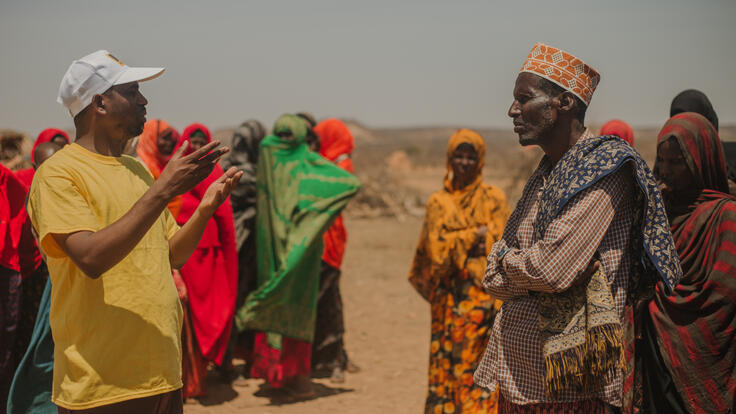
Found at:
<point>299,194</point>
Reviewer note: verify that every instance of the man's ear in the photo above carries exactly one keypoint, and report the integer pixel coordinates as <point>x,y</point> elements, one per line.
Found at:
<point>567,101</point>
<point>98,103</point>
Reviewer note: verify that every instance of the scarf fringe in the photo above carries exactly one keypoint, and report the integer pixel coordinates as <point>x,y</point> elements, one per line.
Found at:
<point>586,367</point>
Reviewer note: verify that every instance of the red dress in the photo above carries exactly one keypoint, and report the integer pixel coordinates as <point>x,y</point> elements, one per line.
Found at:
<point>211,279</point>
<point>211,273</point>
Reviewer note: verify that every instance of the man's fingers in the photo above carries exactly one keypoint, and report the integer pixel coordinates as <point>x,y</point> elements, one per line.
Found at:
<point>237,177</point>
<point>180,152</point>
<point>229,186</point>
<point>232,182</point>
<point>231,171</point>
<point>228,174</point>
<point>214,156</point>
<point>200,153</point>
<point>593,267</point>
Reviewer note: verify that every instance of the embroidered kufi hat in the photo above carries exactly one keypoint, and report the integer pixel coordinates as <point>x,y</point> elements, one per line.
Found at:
<point>564,69</point>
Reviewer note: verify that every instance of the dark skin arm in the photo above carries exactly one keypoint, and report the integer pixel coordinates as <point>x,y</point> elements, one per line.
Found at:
<point>185,241</point>
<point>97,252</point>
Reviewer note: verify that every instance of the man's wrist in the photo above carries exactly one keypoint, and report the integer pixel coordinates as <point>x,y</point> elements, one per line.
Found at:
<point>159,193</point>
<point>206,211</point>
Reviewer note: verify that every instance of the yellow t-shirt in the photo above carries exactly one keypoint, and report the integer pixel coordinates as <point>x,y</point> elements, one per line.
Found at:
<point>116,337</point>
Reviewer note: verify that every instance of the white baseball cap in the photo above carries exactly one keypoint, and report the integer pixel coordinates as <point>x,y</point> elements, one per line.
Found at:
<point>94,74</point>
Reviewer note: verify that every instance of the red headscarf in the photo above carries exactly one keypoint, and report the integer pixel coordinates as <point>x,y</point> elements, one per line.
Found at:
<point>336,142</point>
<point>186,135</point>
<point>619,128</point>
<point>701,147</point>
<point>17,247</point>
<point>211,274</point>
<point>48,134</point>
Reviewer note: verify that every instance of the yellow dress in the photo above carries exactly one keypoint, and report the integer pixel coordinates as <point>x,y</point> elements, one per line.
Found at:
<point>444,274</point>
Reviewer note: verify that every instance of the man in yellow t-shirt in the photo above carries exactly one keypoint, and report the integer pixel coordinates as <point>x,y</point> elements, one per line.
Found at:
<point>111,243</point>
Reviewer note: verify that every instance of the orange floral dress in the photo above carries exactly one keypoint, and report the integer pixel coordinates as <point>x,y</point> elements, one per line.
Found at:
<point>449,278</point>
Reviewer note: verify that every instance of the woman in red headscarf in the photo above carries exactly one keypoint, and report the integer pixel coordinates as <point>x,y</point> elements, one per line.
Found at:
<point>211,274</point>
<point>22,273</point>
<point>688,352</point>
<point>329,357</point>
<point>54,135</point>
<point>619,128</point>
<point>20,285</point>
<point>155,147</point>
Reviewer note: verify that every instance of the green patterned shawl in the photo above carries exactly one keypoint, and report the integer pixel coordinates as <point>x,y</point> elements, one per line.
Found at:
<point>299,194</point>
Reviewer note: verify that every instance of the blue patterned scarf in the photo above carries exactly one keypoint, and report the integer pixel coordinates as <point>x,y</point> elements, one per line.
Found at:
<point>588,162</point>
<point>580,329</point>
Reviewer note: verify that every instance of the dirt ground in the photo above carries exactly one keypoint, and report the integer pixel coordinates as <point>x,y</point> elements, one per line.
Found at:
<point>387,326</point>
<point>387,323</point>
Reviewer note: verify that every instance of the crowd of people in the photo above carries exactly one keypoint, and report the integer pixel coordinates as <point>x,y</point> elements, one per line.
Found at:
<point>186,288</point>
<point>135,259</point>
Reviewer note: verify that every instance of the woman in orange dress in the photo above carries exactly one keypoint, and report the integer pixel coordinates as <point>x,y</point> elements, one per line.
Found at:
<point>463,220</point>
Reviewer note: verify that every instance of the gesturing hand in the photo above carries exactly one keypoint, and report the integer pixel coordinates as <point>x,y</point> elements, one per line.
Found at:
<point>218,191</point>
<point>184,172</point>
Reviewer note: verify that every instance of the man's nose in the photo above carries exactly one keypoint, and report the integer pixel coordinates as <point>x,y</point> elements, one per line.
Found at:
<point>515,109</point>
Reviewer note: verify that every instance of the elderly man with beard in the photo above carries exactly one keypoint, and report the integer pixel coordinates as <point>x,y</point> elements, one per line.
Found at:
<point>587,236</point>
<point>111,242</point>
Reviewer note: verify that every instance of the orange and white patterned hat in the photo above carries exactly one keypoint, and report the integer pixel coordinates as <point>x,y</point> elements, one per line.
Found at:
<point>564,69</point>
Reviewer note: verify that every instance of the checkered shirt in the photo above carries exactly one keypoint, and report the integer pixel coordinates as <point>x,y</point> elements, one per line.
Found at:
<point>598,219</point>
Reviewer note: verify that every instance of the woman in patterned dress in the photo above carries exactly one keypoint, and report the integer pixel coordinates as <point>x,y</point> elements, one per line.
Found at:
<point>463,220</point>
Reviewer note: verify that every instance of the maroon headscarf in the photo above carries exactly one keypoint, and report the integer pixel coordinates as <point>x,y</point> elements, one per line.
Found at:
<point>701,146</point>
<point>696,325</point>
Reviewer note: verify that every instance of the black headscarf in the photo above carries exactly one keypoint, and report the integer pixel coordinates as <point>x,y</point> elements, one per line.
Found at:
<point>692,100</point>
<point>244,156</point>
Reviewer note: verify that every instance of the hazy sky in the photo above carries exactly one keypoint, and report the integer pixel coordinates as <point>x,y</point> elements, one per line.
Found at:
<point>385,63</point>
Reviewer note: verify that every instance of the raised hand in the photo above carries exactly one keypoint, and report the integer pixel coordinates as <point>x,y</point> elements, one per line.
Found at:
<point>218,191</point>
<point>184,172</point>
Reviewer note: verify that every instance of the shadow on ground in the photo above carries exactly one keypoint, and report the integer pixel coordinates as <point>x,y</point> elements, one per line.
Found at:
<point>220,392</point>
<point>279,396</point>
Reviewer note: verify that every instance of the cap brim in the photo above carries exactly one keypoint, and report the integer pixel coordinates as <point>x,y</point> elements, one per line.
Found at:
<point>139,75</point>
